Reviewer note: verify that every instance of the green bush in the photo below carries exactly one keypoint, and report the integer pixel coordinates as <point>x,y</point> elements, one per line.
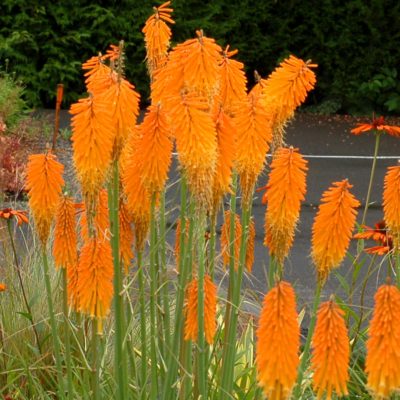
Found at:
<point>12,106</point>
<point>353,42</point>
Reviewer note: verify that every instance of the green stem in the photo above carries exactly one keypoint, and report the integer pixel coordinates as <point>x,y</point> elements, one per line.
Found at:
<point>173,356</point>
<point>213,238</point>
<point>53,325</point>
<point>21,282</point>
<point>153,305</point>
<point>306,350</point>
<point>143,318</point>
<point>120,366</point>
<point>96,360</point>
<point>371,177</point>
<point>67,335</point>
<point>202,349</point>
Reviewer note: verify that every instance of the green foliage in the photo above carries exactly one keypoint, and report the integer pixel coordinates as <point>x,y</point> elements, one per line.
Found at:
<point>12,105</point>
<point>355,43</point>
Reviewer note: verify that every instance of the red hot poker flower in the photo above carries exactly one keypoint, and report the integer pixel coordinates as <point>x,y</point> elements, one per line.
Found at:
<point>378,124</point>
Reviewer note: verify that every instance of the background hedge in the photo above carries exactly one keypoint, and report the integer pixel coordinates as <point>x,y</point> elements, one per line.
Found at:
<point>355,42</point>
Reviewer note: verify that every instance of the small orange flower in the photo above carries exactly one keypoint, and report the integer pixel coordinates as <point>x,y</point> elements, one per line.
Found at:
<point>210,310</point>
<point>380,235</point>
<point>331,352</point>
<point>333,228</point>
<point>44,184</point>
<point>3,287</point>
<point>378,124</point>
<point>278,342</point>
<point>65,238</point>
<point>391,202</point>
<point>383,356</point>
<point>19,215</point>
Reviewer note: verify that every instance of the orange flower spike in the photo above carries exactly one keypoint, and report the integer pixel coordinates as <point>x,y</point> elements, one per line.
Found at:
<point>95,278</point>
<point>378,124</point>
<point>19,215</point>
<point>285,191</point>
<point>65,238</point>
<point>333,228</point>
<point>254,135</point>
<point>226,138</point>
<point>278,342</point>
<point>383,356</point>
<point>99,76</point>
<point>290,82</point>
<point>331,352</point>
<point>157,36</point>
<point>92,142</point>
<point>155,149</point>
<point>196,142</point>
<point>250,245</point>
<point>126,234</point>
<point>72,286</point>
<point>210,310</point>
<point>233,82</point>
<point>225,238</point>
<point>44,184</point>
<point>391,201</point>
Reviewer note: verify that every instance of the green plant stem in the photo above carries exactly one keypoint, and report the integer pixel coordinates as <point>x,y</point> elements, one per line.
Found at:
<point>228,363</point>
<point>96,361</point>
<point>201,348</point>
<point>306,350</point>
<point>143,318</point>
<point>120,365</point>
<point>213,239</point>
<point>153,305</point>
<point>173,356</point>
<point>371,177</point>
<point>53,326</point>
<point>21,282</point>
<point>68,363</point>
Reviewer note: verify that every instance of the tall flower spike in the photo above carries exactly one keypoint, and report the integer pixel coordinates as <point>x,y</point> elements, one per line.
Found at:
<point>278,342</point>
<point>383,356</point>
<point>72,285</point>
<point>391,202</point>
<point>333,228</point>
<point>196,144</point>
<point>154,149</point>
<point>232,82</point>
<point>285,192</point>
<point>210,310</point>
<point>225,238</point>
<point>95,279</point>
<point>92,142</point>
<point>226,138</point>
<point>253,137</point>
<point>157,35</point>
<point>331,352</point>
<point>65,238</point>
<point>126,234</point>
<point>44,183</point>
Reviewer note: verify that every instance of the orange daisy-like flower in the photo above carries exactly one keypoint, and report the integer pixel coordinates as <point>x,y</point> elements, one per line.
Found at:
<point>154,150</point>
<point>65,238</point>
<point>333,227</point>
<point>378,124</point>
<point>331,352</point>
<point>225,238</point>
<point>391,201</point>
<point>157,35</point>
<point>380,235</point>
<point>44,184</point>
<point>19,215</point>
<point>289,84</point>
<point>191,329</point>
<point>383,356</point>
<point>253,139</point>
<point>3,287</point>
<point>95,278</point>
<point>278,342</point>
<point>285,191</point>
<point>233,82</point>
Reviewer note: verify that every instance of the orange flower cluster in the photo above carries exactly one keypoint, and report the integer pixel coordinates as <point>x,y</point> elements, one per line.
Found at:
<point>391,202</point>
<point>285,191</point>
<point>380,235</point>
<point>378,124</point>
<point>383,356</point>
<point>333,227</point>
<point>210,309</point>
<point>331,352</point>
<point>278,342</point>
<point>65,237</point>
<point>157,35</point>
<point>19,215</point>
<point>44,184</point>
